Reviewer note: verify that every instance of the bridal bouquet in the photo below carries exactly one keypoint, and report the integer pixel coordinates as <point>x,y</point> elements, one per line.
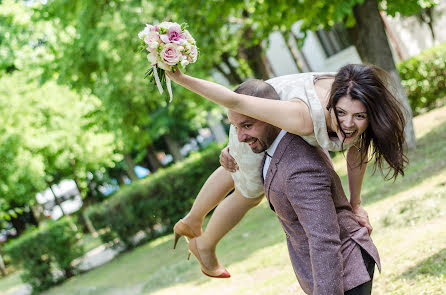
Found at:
<point>167,45</point>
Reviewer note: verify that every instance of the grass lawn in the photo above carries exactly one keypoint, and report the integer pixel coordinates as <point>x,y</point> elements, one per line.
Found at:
<point>409,219</point>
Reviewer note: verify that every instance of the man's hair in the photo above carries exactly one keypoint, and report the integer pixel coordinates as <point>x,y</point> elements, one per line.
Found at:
<point>257,88</point>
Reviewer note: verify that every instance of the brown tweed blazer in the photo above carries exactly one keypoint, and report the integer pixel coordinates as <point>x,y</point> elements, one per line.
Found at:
<point>323,236</point>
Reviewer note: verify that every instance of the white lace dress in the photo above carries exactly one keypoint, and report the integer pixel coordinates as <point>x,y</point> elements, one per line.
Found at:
<point>247,179</point>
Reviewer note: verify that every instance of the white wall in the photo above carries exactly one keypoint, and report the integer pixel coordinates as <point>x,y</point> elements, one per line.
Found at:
<point>414,37</point>
<point>279,56</point>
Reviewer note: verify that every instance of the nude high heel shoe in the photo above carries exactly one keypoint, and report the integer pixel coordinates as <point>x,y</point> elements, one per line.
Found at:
<point>194,250</point>
<point>182,229</point>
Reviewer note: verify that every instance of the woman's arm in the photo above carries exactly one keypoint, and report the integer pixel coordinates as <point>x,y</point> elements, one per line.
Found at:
<point>292,116</point>
<point>355,172</point>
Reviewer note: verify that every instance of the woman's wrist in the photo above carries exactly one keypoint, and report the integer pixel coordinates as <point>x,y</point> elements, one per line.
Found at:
<point>355,203</point>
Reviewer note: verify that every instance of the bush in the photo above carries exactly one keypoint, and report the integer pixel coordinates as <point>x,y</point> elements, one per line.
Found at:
<point>424,77</point>
<point>156,202</point>
<point>37,251</point>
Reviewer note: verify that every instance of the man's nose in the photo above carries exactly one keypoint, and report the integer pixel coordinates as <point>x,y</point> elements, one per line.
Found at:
<point>241,135</point>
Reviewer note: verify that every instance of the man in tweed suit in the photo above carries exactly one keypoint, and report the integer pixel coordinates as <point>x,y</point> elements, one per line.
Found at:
<point>330,252</point>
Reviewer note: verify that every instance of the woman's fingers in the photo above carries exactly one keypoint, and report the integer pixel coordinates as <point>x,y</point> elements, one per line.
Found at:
<point>227,161</point>
<point>363,218</point>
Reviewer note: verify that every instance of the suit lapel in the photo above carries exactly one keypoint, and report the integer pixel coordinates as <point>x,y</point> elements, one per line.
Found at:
<point>272,170</point>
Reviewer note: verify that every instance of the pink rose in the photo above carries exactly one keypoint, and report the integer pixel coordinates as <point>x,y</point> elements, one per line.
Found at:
<point>193,53</point>
<point>170,54</point>
<point>150,39</point>
<point>174,35</point>
<point>143,34</point>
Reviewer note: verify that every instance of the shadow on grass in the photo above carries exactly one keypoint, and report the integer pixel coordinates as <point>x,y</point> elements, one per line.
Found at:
<point>434,265</point>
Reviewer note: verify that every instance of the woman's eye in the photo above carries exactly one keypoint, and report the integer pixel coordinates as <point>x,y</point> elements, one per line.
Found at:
<point>339,112</point>
<point>361,116</point>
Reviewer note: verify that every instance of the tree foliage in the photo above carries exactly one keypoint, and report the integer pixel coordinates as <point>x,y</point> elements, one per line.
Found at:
<point>48,134</point>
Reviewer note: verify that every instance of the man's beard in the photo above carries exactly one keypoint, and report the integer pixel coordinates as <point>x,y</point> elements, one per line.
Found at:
<point>266,140</point>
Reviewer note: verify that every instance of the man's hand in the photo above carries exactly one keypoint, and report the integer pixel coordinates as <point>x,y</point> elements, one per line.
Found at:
<point>362,217</point>
<point>227,161</point>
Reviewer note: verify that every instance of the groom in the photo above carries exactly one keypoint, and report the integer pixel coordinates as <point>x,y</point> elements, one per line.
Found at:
<point>330,252</point>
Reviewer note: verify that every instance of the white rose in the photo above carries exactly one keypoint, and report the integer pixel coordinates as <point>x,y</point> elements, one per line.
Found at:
<point>164,66</point>
<point>153,44</point>
<point>184,63</point>
<point>152,58</point>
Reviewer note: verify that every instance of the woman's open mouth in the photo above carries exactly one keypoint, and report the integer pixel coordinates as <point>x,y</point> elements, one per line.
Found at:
<point>350,134</point>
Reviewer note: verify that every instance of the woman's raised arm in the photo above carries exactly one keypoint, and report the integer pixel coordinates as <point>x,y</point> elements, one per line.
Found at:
<point>292,116</point>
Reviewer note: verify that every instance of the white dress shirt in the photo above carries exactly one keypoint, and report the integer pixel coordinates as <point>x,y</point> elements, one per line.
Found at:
<point>270,152</point>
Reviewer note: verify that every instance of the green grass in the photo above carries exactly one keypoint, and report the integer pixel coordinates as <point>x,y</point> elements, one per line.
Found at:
<point>408,216</point>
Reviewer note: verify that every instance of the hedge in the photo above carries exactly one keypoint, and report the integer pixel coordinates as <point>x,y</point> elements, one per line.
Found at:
<point>424,77</point>
<point>44,250</point>
<point>155,203</point>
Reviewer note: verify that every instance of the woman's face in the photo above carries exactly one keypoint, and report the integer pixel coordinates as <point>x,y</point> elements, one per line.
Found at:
<point>352,116</point>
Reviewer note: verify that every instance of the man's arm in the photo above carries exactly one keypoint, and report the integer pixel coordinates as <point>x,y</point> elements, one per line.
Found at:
<point>308,191</point>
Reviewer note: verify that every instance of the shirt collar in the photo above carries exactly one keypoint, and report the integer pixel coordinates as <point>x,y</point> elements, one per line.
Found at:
<point>272,148</point>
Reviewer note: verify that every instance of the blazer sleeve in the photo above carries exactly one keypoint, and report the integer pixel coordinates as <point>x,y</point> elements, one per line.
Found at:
<point>309,192</point>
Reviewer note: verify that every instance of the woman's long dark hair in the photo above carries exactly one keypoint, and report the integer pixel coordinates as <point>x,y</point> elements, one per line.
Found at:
<point>385,132</point>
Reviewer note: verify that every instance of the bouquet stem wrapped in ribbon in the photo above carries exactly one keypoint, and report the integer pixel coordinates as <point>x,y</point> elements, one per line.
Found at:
<point>168,45</point>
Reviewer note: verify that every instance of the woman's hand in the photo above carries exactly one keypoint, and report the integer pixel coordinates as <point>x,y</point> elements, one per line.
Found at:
<point>362,217</point>
<point>227,161</point>
<point>175,76</point>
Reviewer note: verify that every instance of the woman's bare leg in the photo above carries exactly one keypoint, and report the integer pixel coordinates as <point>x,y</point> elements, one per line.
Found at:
<point>215,189</point>
<point>227,214</point>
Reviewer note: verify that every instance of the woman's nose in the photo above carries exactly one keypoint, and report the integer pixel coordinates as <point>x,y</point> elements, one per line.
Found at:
<point>348,122</point>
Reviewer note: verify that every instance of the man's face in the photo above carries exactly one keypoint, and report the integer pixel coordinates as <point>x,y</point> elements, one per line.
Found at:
<point>257,134</point>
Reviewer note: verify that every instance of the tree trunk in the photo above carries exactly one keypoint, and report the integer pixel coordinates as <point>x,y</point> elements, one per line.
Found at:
<point>130,167</point>
<point>2,266</point>
<point>76,179</point>
<point>426,15</point>
<point>37,211</point>
<point>256,60</point>
<point>288,37</point>
<point>255,57</point>
<point>370,40</point>
<point>232,76</point>
<point>174,148</point>
<point>152,160</point>
<point>56,199</point>
<point>89,224</point>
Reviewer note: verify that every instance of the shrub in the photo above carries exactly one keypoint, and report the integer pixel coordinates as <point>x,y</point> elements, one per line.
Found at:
<point>156,202</point>
<point>424,77</point>
<point>38,250</point>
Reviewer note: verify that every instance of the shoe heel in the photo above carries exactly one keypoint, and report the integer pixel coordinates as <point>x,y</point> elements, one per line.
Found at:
<point>175,241</point>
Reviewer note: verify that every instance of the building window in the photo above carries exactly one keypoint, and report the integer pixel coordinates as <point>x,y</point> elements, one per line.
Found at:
<point>335,40</point>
